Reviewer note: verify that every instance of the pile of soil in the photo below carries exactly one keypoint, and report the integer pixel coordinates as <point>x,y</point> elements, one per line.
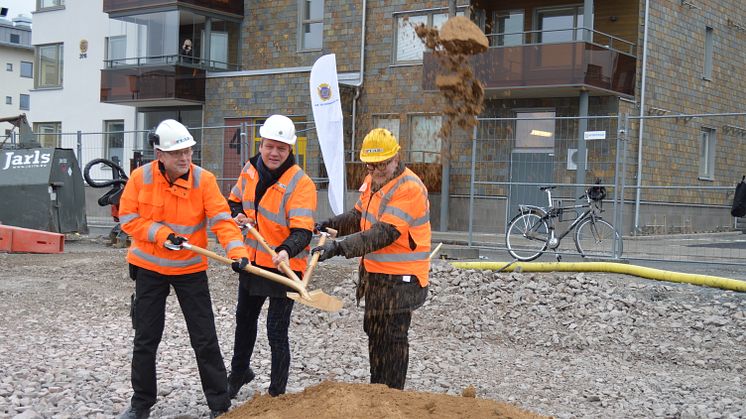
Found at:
<point>463,93</point>
<point>332,400</point>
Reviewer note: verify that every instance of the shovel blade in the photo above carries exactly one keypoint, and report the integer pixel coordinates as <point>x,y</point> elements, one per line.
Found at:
<point>318,299</point>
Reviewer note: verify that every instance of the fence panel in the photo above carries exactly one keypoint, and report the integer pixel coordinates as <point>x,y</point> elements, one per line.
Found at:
<point>680,192</point>
<point>513,157</point>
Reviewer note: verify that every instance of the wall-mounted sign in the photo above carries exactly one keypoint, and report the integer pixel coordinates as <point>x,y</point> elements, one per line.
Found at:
<point>594,135</point>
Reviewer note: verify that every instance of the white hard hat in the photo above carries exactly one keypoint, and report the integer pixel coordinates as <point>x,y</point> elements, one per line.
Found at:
<point>171,135</point>
<point>279,128</point>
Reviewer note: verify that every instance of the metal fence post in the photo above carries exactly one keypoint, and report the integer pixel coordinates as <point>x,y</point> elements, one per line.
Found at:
<point>471,183</point>
<point>79,147</point>
<point>244,144</point>
<point>617,163</point>
<point>622,192</point>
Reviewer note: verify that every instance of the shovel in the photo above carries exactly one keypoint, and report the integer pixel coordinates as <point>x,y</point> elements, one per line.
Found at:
<point>284,267</point>
<point>312,264</point>
<point>316,298</point>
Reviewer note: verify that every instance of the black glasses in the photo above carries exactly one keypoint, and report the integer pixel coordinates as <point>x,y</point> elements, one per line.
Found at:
<point>381,166</point>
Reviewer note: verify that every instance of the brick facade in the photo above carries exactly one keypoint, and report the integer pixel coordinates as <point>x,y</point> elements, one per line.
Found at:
<point>276,75</point>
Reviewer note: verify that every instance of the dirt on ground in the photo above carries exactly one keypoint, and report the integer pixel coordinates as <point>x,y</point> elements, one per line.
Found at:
<point>336,400</point>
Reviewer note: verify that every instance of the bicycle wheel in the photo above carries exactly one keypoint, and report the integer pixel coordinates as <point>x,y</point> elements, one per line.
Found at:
<point>526,237</point>
<point>597,238</point>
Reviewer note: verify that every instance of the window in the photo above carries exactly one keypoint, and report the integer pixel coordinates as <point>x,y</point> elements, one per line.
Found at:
<point>48,133</point>
<point>48,66</point>
<point>312,24</point>
<point>114,141</point>
<point>15,38</point>
<point>708,54</point>
<point>409,48</point>
<point>45,4</point>
<point>707,154</point>
<point>559,25</point>
<point>116,50</point>
<point>8,100</point>
<point>9,67</point>
<point>391,123</point>
<point>507,28</point>
<point>27,69</point>
<point>534,130</point>
<point>153,37</point>
<point>425,144</point>
<point>25,102</point>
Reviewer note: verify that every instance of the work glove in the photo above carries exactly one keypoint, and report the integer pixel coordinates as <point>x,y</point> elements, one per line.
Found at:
<point>321,227</point>
<point>239,265</point>
<point>175,240</point>
<point>328,250</point>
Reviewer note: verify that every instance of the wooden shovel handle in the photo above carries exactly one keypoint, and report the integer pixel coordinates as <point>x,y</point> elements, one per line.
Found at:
<point>252,269</point>
<point>284,267</point>
<point>315,258</point>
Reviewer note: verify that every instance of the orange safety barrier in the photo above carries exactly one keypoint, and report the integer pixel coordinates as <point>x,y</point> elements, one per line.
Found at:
<point>26,240</point>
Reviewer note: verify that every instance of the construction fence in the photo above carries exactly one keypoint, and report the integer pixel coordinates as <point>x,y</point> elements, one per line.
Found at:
<point>677,180</point>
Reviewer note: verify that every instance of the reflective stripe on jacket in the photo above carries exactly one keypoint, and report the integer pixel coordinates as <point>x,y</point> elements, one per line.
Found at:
<point>150,209</point>
<point>288,203</point>
<point>402,202</point>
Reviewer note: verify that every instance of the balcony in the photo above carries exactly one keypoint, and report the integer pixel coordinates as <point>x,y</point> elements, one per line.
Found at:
<point>223,6</point>
<point>603,65</point>
<point>170,82</point>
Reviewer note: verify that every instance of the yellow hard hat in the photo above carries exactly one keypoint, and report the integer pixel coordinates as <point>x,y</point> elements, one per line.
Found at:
<point>379,145</point>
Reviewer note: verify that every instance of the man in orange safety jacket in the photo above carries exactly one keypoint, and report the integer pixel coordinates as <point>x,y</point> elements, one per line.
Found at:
<point>390,228</point>
<point>279,199</point>
<point>164,204</point>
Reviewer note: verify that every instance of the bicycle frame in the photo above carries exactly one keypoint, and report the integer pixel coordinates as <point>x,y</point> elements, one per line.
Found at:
<point>550,213</point>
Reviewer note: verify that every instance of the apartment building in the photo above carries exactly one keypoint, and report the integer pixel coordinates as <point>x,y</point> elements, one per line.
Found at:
<point>548,60</point>
<point>70,41</point>
<point>16,74</point>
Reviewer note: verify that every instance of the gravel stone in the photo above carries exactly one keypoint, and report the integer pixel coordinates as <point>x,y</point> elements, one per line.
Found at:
<point>570,345</point>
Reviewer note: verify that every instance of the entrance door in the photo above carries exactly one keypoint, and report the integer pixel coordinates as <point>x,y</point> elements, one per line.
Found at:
<point>532,159</point>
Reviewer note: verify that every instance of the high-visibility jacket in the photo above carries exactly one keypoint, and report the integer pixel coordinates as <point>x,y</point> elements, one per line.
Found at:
<point>402,202</point>
<point>288,203</point>
<point>150,209</point>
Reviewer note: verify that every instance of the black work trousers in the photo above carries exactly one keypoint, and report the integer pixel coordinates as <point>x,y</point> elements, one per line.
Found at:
<point>388,347</point>
<point>151,290</point>
<point>278,323</point>
<point>389,302</point>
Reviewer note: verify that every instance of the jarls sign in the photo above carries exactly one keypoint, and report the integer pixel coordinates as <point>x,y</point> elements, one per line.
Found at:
<point>25,160</point>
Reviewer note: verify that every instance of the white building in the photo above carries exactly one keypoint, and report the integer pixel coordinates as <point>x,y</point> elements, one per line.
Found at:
<point>70,46</point>
<point>16,72</point>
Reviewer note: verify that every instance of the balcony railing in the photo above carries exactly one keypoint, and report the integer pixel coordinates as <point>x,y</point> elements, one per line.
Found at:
<point>155,83</point>
<point>577,34</point>
<point>173,59</point>
<point>603,68</point>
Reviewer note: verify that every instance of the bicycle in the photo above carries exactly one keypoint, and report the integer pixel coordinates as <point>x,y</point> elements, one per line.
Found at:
<point>532,231</point>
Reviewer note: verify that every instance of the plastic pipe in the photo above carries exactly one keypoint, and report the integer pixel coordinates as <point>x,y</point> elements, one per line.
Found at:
<point>611,267</point>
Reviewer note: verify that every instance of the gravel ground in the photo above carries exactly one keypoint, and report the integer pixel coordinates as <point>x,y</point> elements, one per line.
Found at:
<point>567,345</point>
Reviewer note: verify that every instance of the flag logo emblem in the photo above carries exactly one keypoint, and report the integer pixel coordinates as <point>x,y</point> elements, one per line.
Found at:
<point>325,91</point>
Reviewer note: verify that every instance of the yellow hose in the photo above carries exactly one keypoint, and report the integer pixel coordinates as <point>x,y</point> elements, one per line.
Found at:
<point>621,268</point>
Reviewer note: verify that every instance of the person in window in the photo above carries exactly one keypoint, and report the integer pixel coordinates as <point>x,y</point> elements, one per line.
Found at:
<point>187,54</point>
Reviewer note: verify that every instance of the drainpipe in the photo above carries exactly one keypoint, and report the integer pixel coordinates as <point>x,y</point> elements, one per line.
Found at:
<point>359,85</point>
<point>642,114</point>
